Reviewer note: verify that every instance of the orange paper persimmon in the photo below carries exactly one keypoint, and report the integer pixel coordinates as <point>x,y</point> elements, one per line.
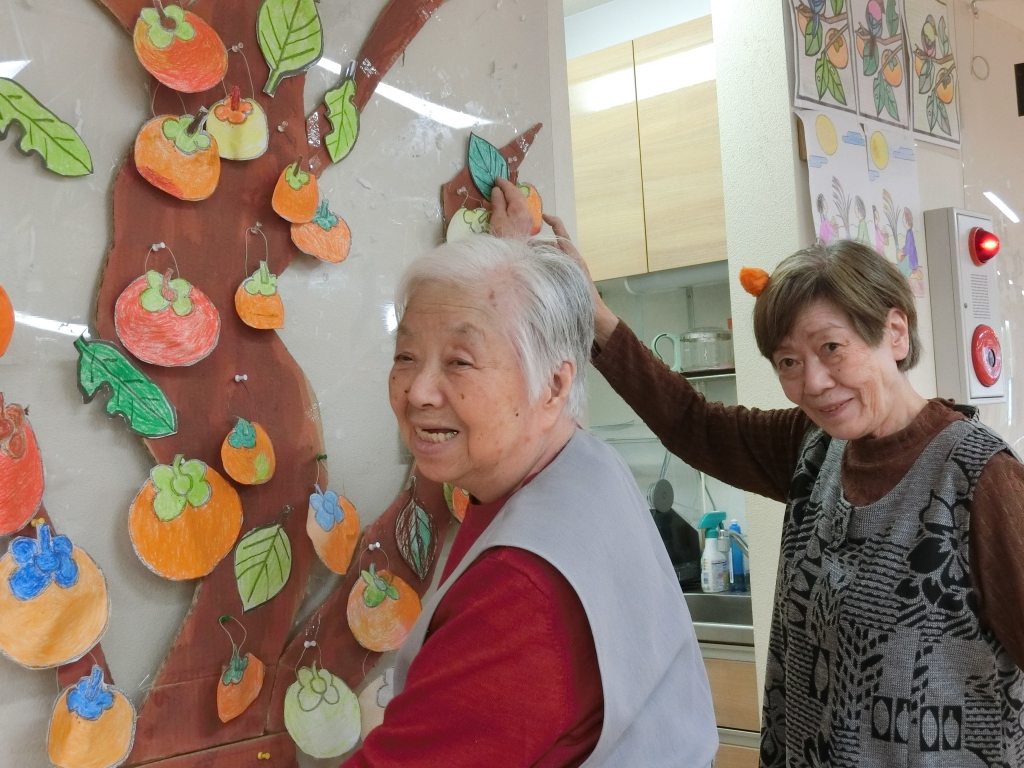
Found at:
<point>179,49</point>
<point>177,158</point>
<point>327,236</point>
<point>458,501</point>
<point>381,610</point>
<point>296,195</point>
<point>332,524</point>
<point>257,301</point>
<point>185,519</point>
<point>239,686</point>
<point>21,469</point>
<point>248,454</point>
<point>6,321</point>
<point>93,725</point>
<point>534,203</point>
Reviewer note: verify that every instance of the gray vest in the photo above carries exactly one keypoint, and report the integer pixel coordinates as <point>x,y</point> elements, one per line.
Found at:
<point>877,656</point>
<point>584,515</point>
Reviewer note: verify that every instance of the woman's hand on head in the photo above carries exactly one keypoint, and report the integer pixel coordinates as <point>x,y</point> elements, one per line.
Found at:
<point>510,215</point>
<point>605,320</point>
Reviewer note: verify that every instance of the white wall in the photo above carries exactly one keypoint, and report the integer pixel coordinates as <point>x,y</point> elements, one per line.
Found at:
<point>616,21</point>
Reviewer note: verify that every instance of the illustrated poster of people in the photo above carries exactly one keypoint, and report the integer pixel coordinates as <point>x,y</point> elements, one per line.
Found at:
<point>934,74</point>
<point>823,63</point>
<point>880,56</point>
<point>837,170</point>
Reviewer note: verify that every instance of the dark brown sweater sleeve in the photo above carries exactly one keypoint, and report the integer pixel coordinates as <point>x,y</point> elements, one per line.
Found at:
<point>751,449</point>
<point>997,551</point>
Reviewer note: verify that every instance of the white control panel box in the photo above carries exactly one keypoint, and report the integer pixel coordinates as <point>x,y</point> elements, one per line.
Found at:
<point>966,322</point>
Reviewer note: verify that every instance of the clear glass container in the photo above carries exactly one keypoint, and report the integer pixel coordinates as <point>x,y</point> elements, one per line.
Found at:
<point>706,349</point>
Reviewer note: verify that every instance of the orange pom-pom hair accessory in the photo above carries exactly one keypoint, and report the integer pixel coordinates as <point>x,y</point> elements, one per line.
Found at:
<point>753,280</point>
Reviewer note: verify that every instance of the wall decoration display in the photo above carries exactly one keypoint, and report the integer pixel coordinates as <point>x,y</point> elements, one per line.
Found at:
<point>326,236</point>
<point>823,71</point>
<point>248,454</point>
<point>263,564</point>
<point>21,469</point>
<point>458,501</point>
<point>416,535</point>
<point>92,726</point>
<point>374,699</point>
<point>53,599</point>
<point>257,301</point>
<point>185,519</point>
<point>239,127</point>
<point>935,106</point>
<point>883,88</point>
<point>296,195</point>
<point>6,321</point>
<point>57,143</point>
<point>332,524</point>
<point>241,680</point>
<point>166,321</point>
<point>133,395</point>
<point>291,38</point>
<point>178,156</point>
<point>321,713</point>
<point>381,610</point>
<point>179,49</point>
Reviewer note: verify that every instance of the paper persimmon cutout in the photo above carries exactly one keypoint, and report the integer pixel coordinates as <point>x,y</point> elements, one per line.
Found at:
<point>263,563</point>
<point>178,156</point>
<point>133,395</point>
<point>416,535</point>
<point>291,37</point>
<point>374,699</point>
<point>296,196</point>
<point>327,237</point>
<point>321,713</point>
<point>248,454</point>
<point>240,682</point>
<point>185,519</point>
<point>21,469</point>
<point>332,524</point>
<point>458,501</point>
<point>257,301</point>
<point>57,143</point>
<point>180,49</point>
<point>53,600</point>
<point>6,321</point>
<point>467,222</point>
<point>166,321</point>
<point>381,610</point>
<point>93,725</point>
<point>239,127</point>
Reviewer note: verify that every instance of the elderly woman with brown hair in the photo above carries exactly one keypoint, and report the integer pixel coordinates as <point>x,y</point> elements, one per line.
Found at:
<point>898,627</point>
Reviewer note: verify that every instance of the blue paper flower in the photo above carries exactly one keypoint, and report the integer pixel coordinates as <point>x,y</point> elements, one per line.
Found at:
<point>91,697</point>
<point>328,510</point>
<point>40,562</point>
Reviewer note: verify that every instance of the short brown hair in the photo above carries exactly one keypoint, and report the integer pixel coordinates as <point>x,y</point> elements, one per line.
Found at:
<point>853,277</point>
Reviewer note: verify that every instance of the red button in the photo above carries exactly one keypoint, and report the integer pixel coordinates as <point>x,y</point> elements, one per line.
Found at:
<point>983,246</point>
<point>986,355</point>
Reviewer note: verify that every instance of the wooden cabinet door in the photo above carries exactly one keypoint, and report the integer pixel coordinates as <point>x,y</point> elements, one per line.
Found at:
<point>734,693</point>
<point>606,162</point>
<point>731,756</point>
<point>680,151</point>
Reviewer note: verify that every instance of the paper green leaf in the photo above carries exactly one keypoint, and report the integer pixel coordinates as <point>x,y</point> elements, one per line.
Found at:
<point>944,118</point>
<point>871,57</point>
<point>344,117</point>
<point>885,98</point>
<point>416,536</point>
<point>837,7</point>
<point>933,111</point>
<point>485,165</point>
<point>813,38</point>
<point>263,563</point>
<point>892,18</point>
<point>145,408</point>
<point>55,141</point>
<point>290,36</point>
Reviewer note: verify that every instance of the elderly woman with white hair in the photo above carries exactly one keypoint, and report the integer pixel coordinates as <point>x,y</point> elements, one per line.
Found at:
<point>559,635</point>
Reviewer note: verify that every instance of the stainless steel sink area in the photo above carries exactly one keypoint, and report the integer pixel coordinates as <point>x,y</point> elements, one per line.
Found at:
<point>724,617</point>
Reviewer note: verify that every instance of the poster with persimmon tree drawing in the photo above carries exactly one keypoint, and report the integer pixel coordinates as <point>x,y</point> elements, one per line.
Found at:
<point>934,73</point>
<point>880,55</point>
<point>822,61</point>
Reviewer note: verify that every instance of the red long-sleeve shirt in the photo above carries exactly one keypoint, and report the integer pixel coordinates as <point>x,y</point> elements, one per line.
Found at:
<point>507,675</point>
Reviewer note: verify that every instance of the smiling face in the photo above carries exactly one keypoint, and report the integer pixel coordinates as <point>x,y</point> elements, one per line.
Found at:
<point>844,385</point>
<point>461,397</point>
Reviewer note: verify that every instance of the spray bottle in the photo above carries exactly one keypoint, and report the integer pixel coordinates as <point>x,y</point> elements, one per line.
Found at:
<point>714,567</point>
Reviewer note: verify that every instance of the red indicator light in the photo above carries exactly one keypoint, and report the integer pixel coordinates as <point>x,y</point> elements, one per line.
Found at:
<point>983,245</point>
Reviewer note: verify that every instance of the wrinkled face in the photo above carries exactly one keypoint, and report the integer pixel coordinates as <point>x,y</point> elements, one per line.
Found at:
<point>845,386</point>
<point>459,394</point>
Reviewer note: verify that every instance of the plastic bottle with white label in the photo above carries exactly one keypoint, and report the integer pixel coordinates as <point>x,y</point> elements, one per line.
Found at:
<point>714,567</point>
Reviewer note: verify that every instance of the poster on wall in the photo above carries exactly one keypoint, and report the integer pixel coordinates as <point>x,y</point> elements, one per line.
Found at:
<point>880,46</point>
<point>823,67</point>
<point>932,45</point>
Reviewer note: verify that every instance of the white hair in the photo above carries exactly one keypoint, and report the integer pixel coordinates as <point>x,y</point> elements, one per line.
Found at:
<point>552,317</point>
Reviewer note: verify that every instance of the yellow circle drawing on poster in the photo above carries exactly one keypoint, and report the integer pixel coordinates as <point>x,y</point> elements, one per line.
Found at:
<point>825,130</point>
<point>879,150</point>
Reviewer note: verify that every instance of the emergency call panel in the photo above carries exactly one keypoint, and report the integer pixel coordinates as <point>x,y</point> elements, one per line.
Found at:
<point>966,322</point>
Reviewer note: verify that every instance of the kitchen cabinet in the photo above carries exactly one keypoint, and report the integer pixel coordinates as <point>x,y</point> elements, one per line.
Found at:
<point>734,693</point>
<point>731,756</point>
<point>646,153</point>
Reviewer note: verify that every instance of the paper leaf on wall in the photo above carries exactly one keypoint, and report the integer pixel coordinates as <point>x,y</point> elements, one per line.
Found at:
<point>93,724</point>
<point>485,165</point>
<point>263,563</point>
<point>291,38</point>
<point>133,395</point>
<point>416,535</point>
<point>56,142</point>
<point>344,117</point>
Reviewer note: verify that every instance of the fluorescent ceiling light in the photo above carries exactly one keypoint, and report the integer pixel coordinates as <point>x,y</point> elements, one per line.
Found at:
<point>13,67</point>
<point>53,326</point>
<point>435,112</point>
<point>675,72</point>
<point>1007,210</point>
